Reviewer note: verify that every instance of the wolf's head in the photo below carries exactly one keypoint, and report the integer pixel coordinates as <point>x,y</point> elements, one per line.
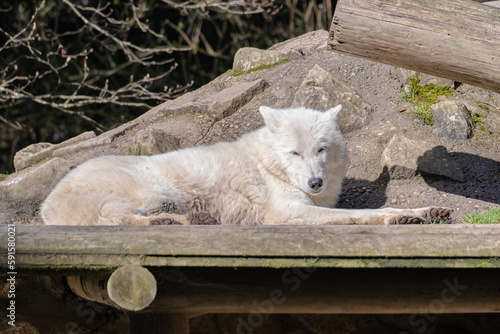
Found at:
<point>308,147</point>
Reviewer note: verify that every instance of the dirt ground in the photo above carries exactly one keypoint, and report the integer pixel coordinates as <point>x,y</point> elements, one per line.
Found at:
<point>365,185</point>
<point>479,157</point>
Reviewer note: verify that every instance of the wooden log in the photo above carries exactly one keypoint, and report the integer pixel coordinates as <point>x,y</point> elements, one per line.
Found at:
<point>131,287</point>
<point>90,288</point>
<point>455,39</point>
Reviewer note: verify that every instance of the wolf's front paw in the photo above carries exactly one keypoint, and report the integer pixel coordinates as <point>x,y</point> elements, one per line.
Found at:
<point>164,221</point>
<point>202,218</point>
<point>437,214</point>
<point>404,219</point>
<point>420,216</point>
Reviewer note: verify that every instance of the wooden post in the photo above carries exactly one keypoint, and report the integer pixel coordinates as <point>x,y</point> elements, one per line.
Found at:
<point>132,287</point>
<point>455,39</point>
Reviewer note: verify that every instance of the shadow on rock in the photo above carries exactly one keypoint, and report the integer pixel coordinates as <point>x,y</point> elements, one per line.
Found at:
<point>481,178</point>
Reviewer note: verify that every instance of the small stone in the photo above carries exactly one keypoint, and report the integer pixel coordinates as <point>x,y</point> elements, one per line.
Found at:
<point>452,120</point>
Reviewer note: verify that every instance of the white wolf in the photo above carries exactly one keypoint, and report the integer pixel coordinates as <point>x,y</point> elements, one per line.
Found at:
<point>288,172</point>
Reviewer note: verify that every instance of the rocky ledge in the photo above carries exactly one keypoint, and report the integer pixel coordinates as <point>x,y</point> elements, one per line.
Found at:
<point>395,159</point>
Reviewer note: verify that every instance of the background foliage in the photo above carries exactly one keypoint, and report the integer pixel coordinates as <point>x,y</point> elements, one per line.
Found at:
<point>69,66</point>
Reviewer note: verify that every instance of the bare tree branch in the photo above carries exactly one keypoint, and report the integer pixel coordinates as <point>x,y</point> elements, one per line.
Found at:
<point>233,7</point>
<point>90,86</point>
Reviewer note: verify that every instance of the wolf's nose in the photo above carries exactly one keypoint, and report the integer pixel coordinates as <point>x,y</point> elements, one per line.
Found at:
<point>315,183</point>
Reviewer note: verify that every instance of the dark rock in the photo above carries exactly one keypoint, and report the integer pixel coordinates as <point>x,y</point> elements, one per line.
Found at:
<point>452,120</point>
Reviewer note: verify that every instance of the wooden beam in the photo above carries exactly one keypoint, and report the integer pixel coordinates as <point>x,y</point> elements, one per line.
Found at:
<point>75,250</point>
<point>455,39</point>
<point>326,291</point>
<point>312,290</point>
<point>155,323</point>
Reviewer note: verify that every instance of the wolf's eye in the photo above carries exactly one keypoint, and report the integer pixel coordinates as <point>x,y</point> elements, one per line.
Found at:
<point>295,153</point>
<point>321,149</point>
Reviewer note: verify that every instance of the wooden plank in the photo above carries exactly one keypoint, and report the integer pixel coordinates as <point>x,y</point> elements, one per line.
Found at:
<point>107,247</point>
<point>455,39</point>
<point>97,265</point>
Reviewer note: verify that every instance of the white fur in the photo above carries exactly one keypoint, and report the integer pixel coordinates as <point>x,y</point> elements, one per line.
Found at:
<point>263,178</point>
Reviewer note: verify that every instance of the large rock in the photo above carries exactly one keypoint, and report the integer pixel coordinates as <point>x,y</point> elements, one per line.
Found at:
<point>248,58</point>
<point>405,158</point>
<point>38,152</point>
<point>493,3</point>
<point>321,90</point>
<point>223,103</point>
<point>452,120</point>
<point>34,182</point>
<point>153,141</point>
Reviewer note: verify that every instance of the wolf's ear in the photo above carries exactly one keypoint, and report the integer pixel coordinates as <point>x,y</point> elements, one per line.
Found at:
<point>271,117</point>
<point>335,111</point>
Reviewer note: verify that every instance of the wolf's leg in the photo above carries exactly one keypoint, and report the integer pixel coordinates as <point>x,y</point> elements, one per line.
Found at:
<point>314,215</point>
